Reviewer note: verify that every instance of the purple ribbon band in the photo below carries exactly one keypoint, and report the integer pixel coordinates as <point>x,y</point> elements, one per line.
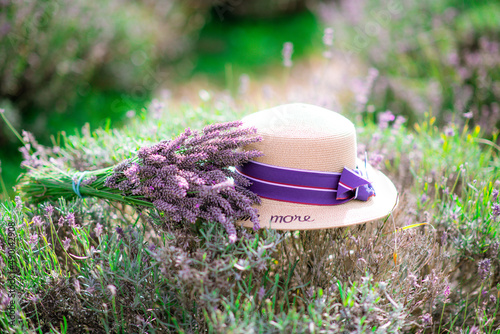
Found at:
<point>305,186</point>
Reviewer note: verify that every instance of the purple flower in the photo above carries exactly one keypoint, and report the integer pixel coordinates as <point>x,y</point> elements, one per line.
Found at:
<point>384,118</point>
<point>119,230</point>
<point>494,194</point>
<point>4,300</point>
<point>423,198</point>
<point>98,230</point>
<point>468,115</point>
<point>375,159</point>
<point>287,54</point>
<point>474,330</point>
<point>37,221</point>
<point>495,210</point>
<point>483,268</point>
<point>447,291</point>
<point>112,289</point>
<point>192,176</point>
<point>444,239</point>
<point>34,298</point>
<point>49,209</point>
<point>77,286</point>
<point>362,89</point>
<point>70,218</point>
<point>19,203</point>
<point>427,319</point>
<point>60,222</point>
<point>66,243</point>
<point>449,132</point>
<point>33,239</point>
<point>400,120</point>
<point>328,37</point>
<point>261,293</point>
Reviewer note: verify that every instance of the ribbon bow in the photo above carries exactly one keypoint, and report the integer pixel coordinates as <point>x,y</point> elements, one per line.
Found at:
<point>354,180</point>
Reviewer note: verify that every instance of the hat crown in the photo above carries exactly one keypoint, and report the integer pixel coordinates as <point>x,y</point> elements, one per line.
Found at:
<point>304,136</point>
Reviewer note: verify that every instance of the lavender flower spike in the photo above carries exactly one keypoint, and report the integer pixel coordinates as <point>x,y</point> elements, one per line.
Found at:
<point>187,179</point>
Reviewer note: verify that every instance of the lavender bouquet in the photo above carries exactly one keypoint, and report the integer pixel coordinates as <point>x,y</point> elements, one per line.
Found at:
<point>185,179</point>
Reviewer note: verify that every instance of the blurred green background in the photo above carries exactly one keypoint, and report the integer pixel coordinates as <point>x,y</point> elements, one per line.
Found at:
<point>64,63</point>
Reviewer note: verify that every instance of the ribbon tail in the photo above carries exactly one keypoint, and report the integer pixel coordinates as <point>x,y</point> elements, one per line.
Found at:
<point>365,192</point>
<point>350,181</point>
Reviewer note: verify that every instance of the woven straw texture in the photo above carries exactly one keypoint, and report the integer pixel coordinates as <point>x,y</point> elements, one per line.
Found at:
<point>309,137</point>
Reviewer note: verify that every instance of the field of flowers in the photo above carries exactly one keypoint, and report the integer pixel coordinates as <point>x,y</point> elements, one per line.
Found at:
<point>420,81</point>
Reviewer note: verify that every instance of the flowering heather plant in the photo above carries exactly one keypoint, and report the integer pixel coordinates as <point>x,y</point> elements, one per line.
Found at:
<point>184,179</point>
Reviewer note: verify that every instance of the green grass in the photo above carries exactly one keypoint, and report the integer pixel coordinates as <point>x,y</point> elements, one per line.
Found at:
<point>252,46</point>
<point>418,270</point>
<point>96,107</point>
<point>192,279</point>
<point>225,50</point>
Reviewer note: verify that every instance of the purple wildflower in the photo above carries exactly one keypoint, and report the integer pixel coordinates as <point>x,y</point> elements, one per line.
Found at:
<point>287,54</point>
<point>66,243</point>
<point>98,230</point>
<point>468,115</point>
<point>49,209</point>
<point>19,203</point>
<point>423,198</point>
<point>34,298</point>
<point>362,89</point>
<point>77,286</point>
<point>400,120</point>
<point>495,210</point>
<point>483,268</point>
<point>190,177</point>
<point>328,37</point>
<point>37,221</point>
<point>88,180</point>
<point>61,221</point>
<point>33,239</point>
<point>427,319</point>
<point>474,330</point>
<point>384,118</point>
<point>112,289</point>
<point>119,230</point>
<point>494,194</point>
<point>4,300</point>
<point>375,159</point>
<point>70,218</point>
<point>444,239</point>
<point>447,291</point>
<point>449,132</point>
<point>261,293</point>
<point>244,84</point>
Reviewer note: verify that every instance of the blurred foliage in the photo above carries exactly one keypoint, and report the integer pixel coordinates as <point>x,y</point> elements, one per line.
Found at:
<point>64,63</point>
<point>58,55</point>
<point>253,45</point>
<point>439,55</point>
<point>105,268</point>
<point>67,63</point>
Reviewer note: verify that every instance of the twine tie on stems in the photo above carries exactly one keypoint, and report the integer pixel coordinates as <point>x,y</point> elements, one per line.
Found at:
<point>76,186</point>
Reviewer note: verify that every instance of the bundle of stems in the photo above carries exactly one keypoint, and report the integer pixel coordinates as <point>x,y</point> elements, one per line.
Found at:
<point>47,184</point>
<point>187,178</point>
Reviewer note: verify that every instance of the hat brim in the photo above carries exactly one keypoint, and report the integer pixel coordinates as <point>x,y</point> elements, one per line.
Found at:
<point>280,215</point>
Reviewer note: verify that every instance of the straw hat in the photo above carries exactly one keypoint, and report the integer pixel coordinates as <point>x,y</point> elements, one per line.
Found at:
<point>309,176</point>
